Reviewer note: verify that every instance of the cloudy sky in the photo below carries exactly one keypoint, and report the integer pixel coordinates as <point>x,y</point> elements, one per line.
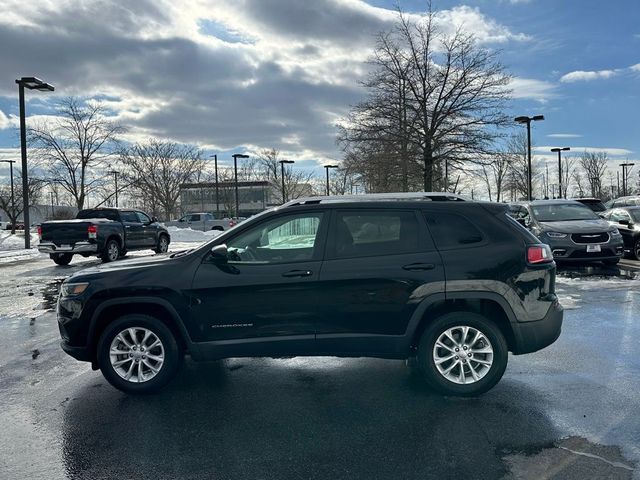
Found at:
<point>239,75</point>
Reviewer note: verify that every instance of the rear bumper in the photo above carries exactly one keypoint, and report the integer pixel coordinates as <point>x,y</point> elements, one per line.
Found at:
<point>534,336</point>
<point>79,247</point>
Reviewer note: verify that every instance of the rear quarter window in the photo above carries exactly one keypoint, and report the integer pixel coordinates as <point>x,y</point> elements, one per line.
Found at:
<point>451,230</point>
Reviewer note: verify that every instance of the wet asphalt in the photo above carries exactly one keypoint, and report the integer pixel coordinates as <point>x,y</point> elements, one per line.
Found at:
<point>569,411</point>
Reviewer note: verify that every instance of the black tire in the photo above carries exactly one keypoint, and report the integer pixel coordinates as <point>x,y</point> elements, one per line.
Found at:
<point>61,258</point>
<point>635,252</point>
<point>172,354</point>
<point>163,244</point>
<point>218,228</point>
<point>111,251</point>
<point>438,381</point>
<point>611,263</point>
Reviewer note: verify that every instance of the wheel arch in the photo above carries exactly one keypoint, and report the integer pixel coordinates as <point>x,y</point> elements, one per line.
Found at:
<point>488,304</point>
<point>158,308</point>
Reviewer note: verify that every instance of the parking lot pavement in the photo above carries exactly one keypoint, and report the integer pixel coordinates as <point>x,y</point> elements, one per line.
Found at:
<point>569,411</point>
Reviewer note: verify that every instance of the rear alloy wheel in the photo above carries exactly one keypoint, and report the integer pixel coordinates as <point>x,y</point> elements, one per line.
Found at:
<point>462,353</point>
<point>138,354</point>
<point>62,258</point>
<point>163,244</point>
<point>111,251</point>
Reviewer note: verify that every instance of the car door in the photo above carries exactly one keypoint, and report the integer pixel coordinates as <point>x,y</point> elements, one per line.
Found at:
<point>266,295</point>
<point>149,236</point>
<point>379,264</point>
<point>133,229</point>
<point>626,230</point>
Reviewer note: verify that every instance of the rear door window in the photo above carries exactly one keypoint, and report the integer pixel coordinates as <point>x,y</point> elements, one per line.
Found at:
<point>365,233</point>
<point>129,217</point>
<point>450,230</point>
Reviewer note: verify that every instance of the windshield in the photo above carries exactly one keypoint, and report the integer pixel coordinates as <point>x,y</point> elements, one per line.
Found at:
<point>562,212</point>
<point>97,213</point>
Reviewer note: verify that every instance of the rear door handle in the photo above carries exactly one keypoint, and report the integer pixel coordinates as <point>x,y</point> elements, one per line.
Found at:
<point>297,273</point>
<point>419,266</point>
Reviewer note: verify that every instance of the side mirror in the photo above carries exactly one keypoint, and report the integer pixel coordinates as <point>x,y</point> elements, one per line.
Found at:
<point>624,222</point>
<point>154,219</point>
<point>521,221</point>
<point>219,254</point>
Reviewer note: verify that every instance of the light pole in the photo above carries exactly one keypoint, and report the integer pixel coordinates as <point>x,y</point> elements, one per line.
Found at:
<point>527,121</point>
<point>215,169</point>
<point>560,150</point>
<point>327,167</point>
<point>115,177</point>
<point>624,176</point>
<point>236,156</point>
<point>282,162</point>
<point>13,198</point>
<point>32,83</point>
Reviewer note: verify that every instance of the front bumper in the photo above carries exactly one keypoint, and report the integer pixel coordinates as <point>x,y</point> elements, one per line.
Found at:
<point>79,247</point>
<point>534,336</point>
<point>79,353</point>
<point>565,250</point>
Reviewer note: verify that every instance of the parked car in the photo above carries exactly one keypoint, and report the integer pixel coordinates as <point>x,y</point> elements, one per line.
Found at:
<point>627,221</point>
<point>104,232</point>
<point>349,277</point>
<point>573,231</point>
<point>628,201</point>
<point>202,221</point>
<point>594,204</point>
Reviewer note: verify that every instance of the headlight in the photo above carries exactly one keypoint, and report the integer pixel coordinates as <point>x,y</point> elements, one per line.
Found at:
<point>615,233</point>
<point>73,289</point>
<point>556,235</point>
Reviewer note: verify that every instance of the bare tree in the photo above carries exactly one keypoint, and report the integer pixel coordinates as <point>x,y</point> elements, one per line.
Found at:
<point>156,170</point>
<point>35,186</point>
<point>79,138</point>
<point>443,94</point>
<point>594,165</point>
<point>296,181</point>
<point>569,176</point>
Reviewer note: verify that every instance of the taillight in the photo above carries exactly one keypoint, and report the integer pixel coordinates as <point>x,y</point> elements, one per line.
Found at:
<point>231,223</point>
<point>39,232</point>
<point>92,230</point>
<point>537,254</point>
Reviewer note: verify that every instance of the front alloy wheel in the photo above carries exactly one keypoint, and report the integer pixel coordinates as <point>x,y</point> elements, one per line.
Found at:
<point>636,250</point>
<point>138,354</point>
<point>163,244</point>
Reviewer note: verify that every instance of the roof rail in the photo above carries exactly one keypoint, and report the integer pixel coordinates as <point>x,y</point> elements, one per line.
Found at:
<point>379,197</point>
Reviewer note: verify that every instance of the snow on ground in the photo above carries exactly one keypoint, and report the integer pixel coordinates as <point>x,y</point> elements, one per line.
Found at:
<point>190,235</point>
<point>15,242</point>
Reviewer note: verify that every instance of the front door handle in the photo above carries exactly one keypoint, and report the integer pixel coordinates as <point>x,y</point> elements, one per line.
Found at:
<point>297,273</point>
<point>419,266</point>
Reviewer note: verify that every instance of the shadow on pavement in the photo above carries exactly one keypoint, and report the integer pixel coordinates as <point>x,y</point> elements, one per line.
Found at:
<point>319,418</point>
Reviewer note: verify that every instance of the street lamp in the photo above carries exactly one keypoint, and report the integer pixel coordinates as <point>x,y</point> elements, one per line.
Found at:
<point>527,121</point>
<point>215,169</point>
<point>560,150</point>
<point>624,176</point>
<point>282,162</point>
<point>13,198</point>
<point>236,156</point>
<point>32,83</point>
<point>327,167</point>
<point>115,175</point>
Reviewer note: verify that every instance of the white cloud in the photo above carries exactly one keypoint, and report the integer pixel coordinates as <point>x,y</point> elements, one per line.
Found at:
<point>614,152</point>
<point>531,88</point>
<point>484,29</point>
<point>4,121</point>
<point>564,135</point>
<point>636,67</point>
<point>582,75</point>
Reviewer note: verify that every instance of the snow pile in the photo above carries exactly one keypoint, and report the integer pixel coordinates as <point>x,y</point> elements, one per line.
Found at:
<point>15,242</point>
<point>188,235</point>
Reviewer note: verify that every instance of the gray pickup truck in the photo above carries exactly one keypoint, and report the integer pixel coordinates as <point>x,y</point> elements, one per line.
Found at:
<point>104,232</point>
<point>202,221</point>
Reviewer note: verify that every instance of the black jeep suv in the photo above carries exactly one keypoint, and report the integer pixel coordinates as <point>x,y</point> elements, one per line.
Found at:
<point>449,284</point>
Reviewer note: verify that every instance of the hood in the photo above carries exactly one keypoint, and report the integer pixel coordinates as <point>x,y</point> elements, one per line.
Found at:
<point>124,266</point>
<point>577,226</point>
